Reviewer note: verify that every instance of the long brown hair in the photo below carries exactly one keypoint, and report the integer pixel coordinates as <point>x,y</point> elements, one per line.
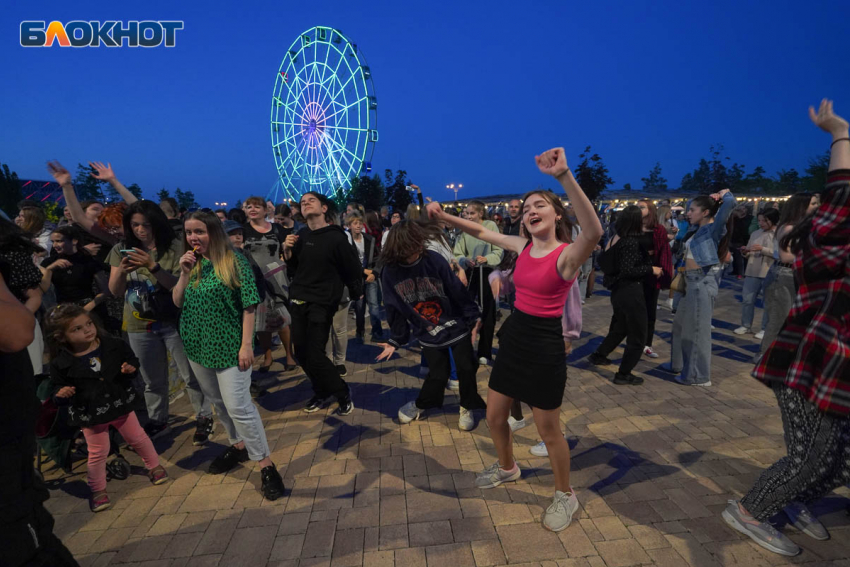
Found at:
<point>652,218</point>
<point>57,322</point>
<point>405,239</point>
<point>220,251</point>
<point>563,227</point>
<point>34,219</point>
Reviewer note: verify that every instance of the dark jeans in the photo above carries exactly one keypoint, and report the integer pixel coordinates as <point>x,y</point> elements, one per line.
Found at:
<point>739,263</point>
<point>439,369</point>
<point>628,322</point>
<point>26,527</point>
<point>480,290</point>
<point>311,326</point>
<point>650,295</point>
<point>370,299</point>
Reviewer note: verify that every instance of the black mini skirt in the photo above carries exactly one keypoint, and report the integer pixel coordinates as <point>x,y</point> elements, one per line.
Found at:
<point>531,365</point>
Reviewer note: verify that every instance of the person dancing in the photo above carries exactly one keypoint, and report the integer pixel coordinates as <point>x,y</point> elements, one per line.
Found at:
<point>808,366</point>
<point>531,365</point>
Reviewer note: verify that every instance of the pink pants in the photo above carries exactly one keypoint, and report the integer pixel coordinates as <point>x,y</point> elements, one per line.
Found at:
<point>97,438</point>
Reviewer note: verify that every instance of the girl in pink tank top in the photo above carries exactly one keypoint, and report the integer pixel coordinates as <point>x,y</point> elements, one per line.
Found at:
<point>531,365</point>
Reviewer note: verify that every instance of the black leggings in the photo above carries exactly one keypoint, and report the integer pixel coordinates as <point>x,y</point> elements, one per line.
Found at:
<point>311,327</point>
<point>628,321</point>
<point>650,295</point>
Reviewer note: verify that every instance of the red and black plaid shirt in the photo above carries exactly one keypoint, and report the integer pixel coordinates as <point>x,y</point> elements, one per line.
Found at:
<point>812,351</point>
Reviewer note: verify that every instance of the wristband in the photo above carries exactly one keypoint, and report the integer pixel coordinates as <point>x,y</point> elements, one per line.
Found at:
<point>838,140</point>
<point>156,268</point>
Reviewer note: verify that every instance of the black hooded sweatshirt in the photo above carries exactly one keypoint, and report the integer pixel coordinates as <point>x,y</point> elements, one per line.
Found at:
<point>322,262</point>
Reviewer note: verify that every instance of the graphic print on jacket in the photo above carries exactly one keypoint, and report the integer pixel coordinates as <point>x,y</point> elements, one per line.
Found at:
<point>429,296</point>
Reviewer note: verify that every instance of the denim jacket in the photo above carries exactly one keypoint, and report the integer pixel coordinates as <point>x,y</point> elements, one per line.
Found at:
<point>704,243</point>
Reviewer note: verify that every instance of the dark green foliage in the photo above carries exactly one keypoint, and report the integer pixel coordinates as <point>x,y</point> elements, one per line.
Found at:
<point>10,191</point>
<point>592,174</point>
<point>654,181</point>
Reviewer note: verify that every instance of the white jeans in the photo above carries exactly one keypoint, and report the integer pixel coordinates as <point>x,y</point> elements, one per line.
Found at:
<point>228,389</point>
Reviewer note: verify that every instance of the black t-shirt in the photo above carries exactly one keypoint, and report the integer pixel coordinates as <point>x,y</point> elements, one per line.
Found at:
<point>75,283</point>
<point>265,247</point>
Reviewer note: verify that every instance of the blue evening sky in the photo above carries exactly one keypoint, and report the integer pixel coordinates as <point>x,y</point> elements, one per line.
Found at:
<point>467,91</point>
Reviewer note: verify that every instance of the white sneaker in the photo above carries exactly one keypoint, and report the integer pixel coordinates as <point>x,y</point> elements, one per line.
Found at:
<point>466,422</point>
<point>559,514</point>
<point>409,412</point>
<point>453,385</point>
<point>539,450</point>
<point>494,475</point>
<point>713,327</point>
<point>516,424</point>
<point>649,352</point>
<point>741,330</point>
<point>483,361</point>
<point>759,335</point>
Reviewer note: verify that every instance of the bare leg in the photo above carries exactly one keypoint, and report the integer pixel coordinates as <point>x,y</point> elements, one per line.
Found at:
<point>549,428</point>
<point>590,281</point>
<point>264,338</point>
<point>498,409</point>
<point>286,338</point>
<point>264,463</point>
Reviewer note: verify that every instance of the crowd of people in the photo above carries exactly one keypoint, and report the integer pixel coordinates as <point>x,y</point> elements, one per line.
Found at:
<point>115,292</point>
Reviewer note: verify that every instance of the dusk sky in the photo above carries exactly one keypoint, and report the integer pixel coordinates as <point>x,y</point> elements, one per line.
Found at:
<point>467,92</point>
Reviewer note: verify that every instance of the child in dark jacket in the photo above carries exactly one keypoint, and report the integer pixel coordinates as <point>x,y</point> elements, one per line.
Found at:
<point>92,373</point>
<point>420,289</point>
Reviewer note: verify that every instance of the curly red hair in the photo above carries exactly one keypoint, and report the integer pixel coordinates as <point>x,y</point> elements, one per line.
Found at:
<point>112,218</point>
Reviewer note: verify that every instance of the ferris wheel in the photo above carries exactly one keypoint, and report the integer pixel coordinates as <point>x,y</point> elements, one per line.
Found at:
<point>323,115</point>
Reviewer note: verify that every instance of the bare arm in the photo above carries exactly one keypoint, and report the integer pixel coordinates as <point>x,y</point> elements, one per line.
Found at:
<point>117,281</point>
<point>105,173</point>
<point>63,178</point>
<point>178,292</point>
<point>507,242</point>
<point>18,329</point>
<point>554,163</point>
<point>34,297</point>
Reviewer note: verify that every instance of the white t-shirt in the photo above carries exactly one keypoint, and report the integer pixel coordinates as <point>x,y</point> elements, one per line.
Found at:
<point>360,248</point>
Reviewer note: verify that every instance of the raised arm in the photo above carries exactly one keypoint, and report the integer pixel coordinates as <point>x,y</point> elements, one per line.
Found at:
<point>827,120</point>
<point>63,178</point>
<point>105,173</point>
<point>514,243</point>
<point>554,162</point>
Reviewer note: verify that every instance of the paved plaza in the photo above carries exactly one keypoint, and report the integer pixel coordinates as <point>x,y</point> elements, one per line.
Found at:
<point>652,466</point>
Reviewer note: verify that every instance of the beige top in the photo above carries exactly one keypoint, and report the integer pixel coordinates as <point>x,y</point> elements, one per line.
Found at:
<point>758,263</point>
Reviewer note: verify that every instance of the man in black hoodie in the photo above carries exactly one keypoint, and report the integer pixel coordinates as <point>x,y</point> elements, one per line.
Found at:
<point>321,261</point>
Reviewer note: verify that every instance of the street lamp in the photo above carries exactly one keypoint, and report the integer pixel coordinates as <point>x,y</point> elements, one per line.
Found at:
<point>454,187</point>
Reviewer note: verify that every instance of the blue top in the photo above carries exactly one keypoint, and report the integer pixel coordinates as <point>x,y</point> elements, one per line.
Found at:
<point>706,239</point>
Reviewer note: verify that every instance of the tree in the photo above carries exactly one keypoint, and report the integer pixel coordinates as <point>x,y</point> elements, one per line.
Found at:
<point>113,195</point>
<point>756,182</point>
<point>815,179</point>
<point>135,190</point>
<point>368,191</point>
<point>185,199</point>
<point>698,182</point>
<point>788,181</point>
<point>654,181</point>
<point>53,211</point>
<point>162,194</point>
<point>592,174</point>
<point>719,173</point>
<point>627,187</point>
<point>86,186</point>
<point>396,195</point>
<point>10,191</point>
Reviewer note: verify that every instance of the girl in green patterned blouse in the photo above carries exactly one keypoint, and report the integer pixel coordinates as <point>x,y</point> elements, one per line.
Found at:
<point>218,294</point>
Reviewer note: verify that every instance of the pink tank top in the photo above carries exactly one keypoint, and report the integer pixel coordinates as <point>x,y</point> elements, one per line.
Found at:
<point>540,289</point>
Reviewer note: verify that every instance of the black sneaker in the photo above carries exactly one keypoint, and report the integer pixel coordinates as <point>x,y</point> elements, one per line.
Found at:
<point>346,406</point>
<point>377,336</point>
<point>315,404</point>
<point>203,429</point>
<point>598,359</point>
<point>272,483</point>
<point>343,371</point>
<point>228,460</point>
<point>358,338</point>
<point>154,429</point>
<point>630,379</point>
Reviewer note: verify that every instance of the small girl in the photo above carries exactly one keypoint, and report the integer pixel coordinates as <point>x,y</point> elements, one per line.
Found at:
<point>420,289</point>
<point>92,373</point>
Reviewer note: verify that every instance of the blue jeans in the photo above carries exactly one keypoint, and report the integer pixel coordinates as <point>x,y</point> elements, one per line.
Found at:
<point>229,390</point>
<point>370,298</point>
<point>752,287</point>
<point>151,349</point>
<point>691,350</point>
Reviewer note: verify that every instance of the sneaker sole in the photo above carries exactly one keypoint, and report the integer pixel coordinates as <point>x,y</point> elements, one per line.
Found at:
<point>199,443</point>
<point>514,477</point>
<point>163,480</point>
<point>736,525</point>
<point>546,454</point>
<point>560,529</point>
<point>102,507</point>
<point>350,409</point>
<point>403,419</point>
<point>809,533</point>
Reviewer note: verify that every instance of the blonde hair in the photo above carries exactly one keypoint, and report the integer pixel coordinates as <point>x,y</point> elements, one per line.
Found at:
<point>479,207</point>
<point>221,252</point>
<point>413,212</point>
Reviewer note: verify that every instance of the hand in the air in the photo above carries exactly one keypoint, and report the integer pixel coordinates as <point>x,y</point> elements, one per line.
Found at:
<point>59,173</point>
<point>102,172</point>
<point>435,210</point>
<point>826,119</point>
<point>552,162</point>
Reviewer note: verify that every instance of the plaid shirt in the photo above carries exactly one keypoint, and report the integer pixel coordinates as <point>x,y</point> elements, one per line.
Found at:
<point>812,352</point>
